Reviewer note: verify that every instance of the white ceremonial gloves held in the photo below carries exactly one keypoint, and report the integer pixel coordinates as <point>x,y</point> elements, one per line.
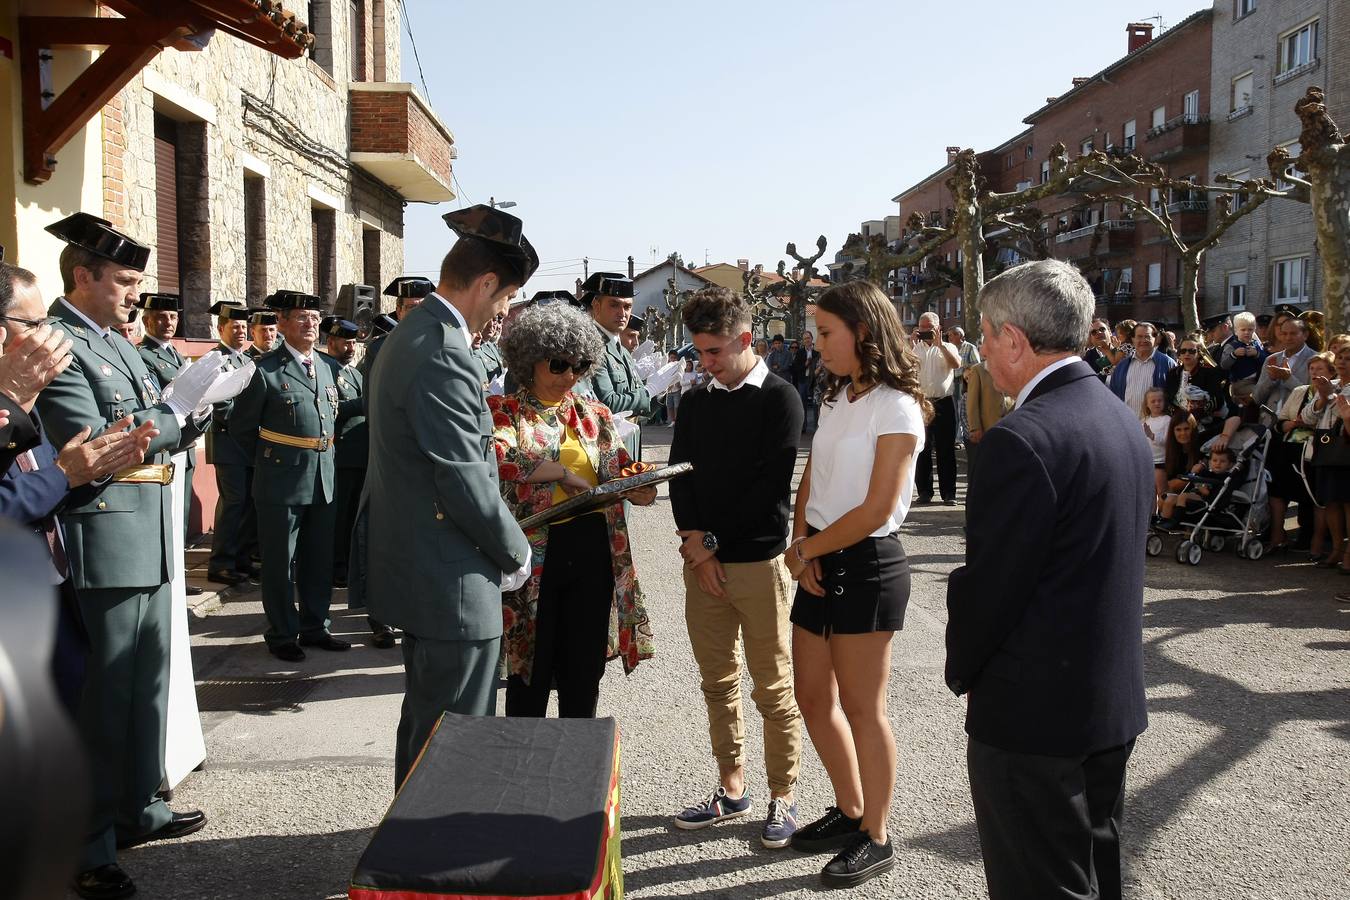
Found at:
<point>660,380</point>
<point>514,581</point>
<point>200,384</point>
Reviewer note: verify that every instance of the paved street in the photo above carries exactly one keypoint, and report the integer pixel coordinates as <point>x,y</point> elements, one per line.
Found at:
<point>1240,787</point>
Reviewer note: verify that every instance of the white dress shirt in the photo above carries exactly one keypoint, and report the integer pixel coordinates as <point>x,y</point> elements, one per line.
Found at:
<point>1040,376</point>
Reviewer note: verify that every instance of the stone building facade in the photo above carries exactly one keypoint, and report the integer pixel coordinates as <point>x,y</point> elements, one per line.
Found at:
<point>249,173</point>
<point>1265,56</point>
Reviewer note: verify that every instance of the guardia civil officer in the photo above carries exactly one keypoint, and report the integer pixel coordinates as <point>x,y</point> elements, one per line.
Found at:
<point>615,381</point>
<point>234,539</point>
<point>285,421</point>
<point>118,548</point>
<point>487,353</point>
<point>408,291</point>
<point>440,537</point>
<point>262,331</point>
<point>159,315</point>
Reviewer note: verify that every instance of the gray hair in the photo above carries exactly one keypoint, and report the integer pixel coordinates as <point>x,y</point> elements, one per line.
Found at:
<point>1049,300</point>
<point>549,331</point>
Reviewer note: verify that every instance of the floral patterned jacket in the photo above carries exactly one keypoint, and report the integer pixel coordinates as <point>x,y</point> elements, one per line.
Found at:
<point>525,434</point>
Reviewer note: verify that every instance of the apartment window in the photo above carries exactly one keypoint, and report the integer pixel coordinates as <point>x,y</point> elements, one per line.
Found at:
<point>1126,286</point>
<point>1290,280</point>
<point>1241,96</point>
<point>370,257</point>
<point>166,203</point>
<point>1109,144</point>
<point>1155,199</point>
<point>320,20</point>
<point>183,222</point>
<point>1235,287</point>
<point>1008,161</point>
<point>1243,8</point>
<point>356,38</point>
<point>1085,147</point>
<point>1190,107</point>
<point>1129,136</point>
<point>1295,151</point>
<point>1159,117</point>
<point>1045,171</point>
<point>1030,151</point>
<point>1297,48</point>
<point>935,218</point>
<point>255,238</point>
<point>1240,200</point>
<point>1154,278</point>
<point>323,226</point>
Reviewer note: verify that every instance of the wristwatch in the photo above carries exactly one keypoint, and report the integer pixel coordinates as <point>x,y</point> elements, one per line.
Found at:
<point>709,541</point>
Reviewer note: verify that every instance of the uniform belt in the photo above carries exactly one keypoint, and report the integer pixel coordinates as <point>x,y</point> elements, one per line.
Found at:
<point>149,473</point>
<point>289,440</point>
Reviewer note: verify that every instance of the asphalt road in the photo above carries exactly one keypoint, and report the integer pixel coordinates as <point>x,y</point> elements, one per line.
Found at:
<point>1240,788</point>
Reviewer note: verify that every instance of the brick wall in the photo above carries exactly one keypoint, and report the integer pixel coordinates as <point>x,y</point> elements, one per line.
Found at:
<point>114,153</point>
<point>379,121</point>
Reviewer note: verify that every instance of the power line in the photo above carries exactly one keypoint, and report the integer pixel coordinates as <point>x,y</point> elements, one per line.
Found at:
<point>407,24</point>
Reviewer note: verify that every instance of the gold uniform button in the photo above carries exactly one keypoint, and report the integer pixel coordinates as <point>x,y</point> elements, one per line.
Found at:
<point>102,504</point>
<point>117,396</point>
<point>440,516</point>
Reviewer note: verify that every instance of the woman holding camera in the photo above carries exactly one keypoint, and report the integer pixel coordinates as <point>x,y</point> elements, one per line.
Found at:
<point>582,604</point>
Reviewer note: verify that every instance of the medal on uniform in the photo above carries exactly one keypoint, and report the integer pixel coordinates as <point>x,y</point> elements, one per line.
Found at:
<point>106,370</point>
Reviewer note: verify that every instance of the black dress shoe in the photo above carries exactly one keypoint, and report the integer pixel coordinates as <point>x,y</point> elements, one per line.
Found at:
<point>249,571</point>
<point>104,883</point>
<point>223,577</point>
<point>325,641</point>
<point>289,652</point>
<point>180,825</point>
<point>192,590</point>
<point>383,639</point>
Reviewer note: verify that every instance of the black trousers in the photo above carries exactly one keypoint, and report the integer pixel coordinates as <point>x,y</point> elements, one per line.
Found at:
<point>1049,826</point>
<point>236,527</point>
<point>939,438</point>
<point>576,593</point>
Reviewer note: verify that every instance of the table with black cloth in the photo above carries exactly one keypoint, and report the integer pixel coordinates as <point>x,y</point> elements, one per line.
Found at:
<point>502,807</point>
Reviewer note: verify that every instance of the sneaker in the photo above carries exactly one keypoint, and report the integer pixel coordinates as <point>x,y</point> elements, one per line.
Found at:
<point>780,825</point>
<point>861,860</point>
<point>830,832</point>
<point>716,807</point>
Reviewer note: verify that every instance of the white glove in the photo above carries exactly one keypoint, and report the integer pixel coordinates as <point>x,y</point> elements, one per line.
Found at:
<point>202,383</point>
<point>514,581</point>
<point>497,386</point>
<point>663,378</point>
<point>624,425</point>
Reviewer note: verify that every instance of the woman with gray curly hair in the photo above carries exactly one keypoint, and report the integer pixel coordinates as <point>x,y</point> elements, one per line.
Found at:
<point>582,605</point>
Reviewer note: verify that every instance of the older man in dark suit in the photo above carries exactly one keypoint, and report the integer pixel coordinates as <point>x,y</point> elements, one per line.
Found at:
<point>1045,630</point>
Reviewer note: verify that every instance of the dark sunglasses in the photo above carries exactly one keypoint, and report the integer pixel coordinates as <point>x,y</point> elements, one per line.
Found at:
<point>1098,331</point>
<point>1187,351</point>
<point>559,366</point>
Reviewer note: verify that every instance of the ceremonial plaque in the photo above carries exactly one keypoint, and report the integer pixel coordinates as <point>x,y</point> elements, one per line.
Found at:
<point>603,495</point>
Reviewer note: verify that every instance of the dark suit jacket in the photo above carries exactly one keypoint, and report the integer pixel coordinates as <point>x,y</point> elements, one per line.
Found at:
<point>1045,619</point>
<point>1213,380</point>
<point>19,435</point>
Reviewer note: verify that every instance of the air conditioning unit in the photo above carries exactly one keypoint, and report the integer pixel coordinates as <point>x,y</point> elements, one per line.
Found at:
<point>356,303</point>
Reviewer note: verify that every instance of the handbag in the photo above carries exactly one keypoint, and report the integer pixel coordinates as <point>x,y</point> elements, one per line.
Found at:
<point>1330,447</point>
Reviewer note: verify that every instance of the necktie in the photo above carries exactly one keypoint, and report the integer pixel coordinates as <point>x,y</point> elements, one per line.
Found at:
<point>27,463</point>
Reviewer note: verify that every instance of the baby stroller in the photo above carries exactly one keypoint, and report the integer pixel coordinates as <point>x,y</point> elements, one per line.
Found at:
<point>1235,509</point>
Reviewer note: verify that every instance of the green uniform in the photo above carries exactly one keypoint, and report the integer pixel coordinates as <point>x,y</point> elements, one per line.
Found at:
<point>439,535</point>
<point>164,361</point>
<point>616,383</point>
<point>352,454</point>
<point>292,488</point>
<point>489,358</point>
<point>234,539</point>
<point>118,546</point>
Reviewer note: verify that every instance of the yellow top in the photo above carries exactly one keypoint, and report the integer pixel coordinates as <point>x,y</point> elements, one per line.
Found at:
<point>574,459</point>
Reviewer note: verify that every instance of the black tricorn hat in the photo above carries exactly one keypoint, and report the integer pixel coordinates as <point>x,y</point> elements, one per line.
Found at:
<point>636,323</point>
<point>605,284</point>
<point>503,231</point>
<point>166,302</point>
<point>333,326</point>
<point>543,297</point>
<point>1215,321</point>
<point>1264,319</point>
<point>131,316</point>
<point>382,324</point>
<point>1288,309</point>
<point>226,309</point>
<point>409,286</point>
<point>262,317</point>
<point>294,300</point>
<point>99,237</point>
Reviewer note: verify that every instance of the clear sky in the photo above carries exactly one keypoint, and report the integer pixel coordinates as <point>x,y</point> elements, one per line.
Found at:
<point>727,129</point>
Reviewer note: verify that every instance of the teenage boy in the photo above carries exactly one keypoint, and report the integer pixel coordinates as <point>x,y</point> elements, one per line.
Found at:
<point>740,432</point>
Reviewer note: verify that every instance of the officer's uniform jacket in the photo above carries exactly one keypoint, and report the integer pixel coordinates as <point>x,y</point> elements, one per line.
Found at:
<point>617,384</point>
<point>221,448</point>
<point>164,362</point>
<point>353,434</point>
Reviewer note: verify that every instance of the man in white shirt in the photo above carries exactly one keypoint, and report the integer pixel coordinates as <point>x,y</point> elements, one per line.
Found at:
<point>938,362</point>
<point>1147,368</point>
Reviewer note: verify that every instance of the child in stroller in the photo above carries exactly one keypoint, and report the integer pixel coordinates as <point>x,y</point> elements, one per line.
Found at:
<point>1204,480</point>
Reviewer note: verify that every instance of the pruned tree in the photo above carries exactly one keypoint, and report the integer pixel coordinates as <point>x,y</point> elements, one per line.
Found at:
<point>1325,159</point>
<point>795,290</point>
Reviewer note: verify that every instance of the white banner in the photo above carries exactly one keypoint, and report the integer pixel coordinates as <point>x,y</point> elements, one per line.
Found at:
<point>184,746</point>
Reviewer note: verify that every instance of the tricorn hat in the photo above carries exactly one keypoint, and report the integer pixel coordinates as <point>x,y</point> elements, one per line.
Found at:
<point>409,286</point>
<point>544,297</point>
<point>605,284</point>
<point>225,309</point>
<point>294,300</point>
<point>1288,309</point>
<point>262,317</point>
<point>334,326</point>
<point>636,323</point>
<point>501,230</point>
<point>1215,321</point>
<point>100,238</point>
<point>1264,319</point>
<point>382,324</point>
<point>166,302</point>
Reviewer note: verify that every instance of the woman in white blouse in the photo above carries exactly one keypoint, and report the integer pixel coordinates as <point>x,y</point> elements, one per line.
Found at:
<point>853,579</point>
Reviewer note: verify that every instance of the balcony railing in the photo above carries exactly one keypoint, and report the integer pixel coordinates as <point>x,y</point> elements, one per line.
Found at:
<point>1110,225</point>
<point>1296,71</point>
<point>1184,206</point>
<point>1176,122</point>
<point>1240,112</point>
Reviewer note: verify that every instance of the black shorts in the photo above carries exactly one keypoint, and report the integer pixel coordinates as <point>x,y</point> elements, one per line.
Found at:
<point>866,590</point>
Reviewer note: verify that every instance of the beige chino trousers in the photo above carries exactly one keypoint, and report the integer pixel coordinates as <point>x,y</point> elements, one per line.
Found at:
<point>755,611</point>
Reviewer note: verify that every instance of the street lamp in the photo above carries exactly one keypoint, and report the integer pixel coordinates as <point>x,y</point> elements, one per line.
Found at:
<point>503,204</point>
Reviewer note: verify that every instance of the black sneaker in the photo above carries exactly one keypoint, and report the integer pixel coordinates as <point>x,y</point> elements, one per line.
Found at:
<point>861,860</point>
<point>830,832</point>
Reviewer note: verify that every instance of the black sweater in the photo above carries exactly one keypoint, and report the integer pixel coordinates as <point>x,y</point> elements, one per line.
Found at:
<point>743,445</point>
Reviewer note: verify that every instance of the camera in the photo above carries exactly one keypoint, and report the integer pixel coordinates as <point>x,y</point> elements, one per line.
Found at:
<point>924,335</point>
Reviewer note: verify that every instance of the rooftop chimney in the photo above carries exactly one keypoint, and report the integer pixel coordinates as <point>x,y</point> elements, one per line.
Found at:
<point>1140,34</point>
<point>1080,81</point>
<point>743,265</point>
<point>952,154</point>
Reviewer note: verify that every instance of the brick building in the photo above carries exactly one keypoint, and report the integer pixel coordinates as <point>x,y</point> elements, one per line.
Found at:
<point>1265,56</point>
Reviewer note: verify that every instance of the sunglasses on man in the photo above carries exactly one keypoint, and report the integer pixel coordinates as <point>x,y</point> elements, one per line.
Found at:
<point>559,366</point>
